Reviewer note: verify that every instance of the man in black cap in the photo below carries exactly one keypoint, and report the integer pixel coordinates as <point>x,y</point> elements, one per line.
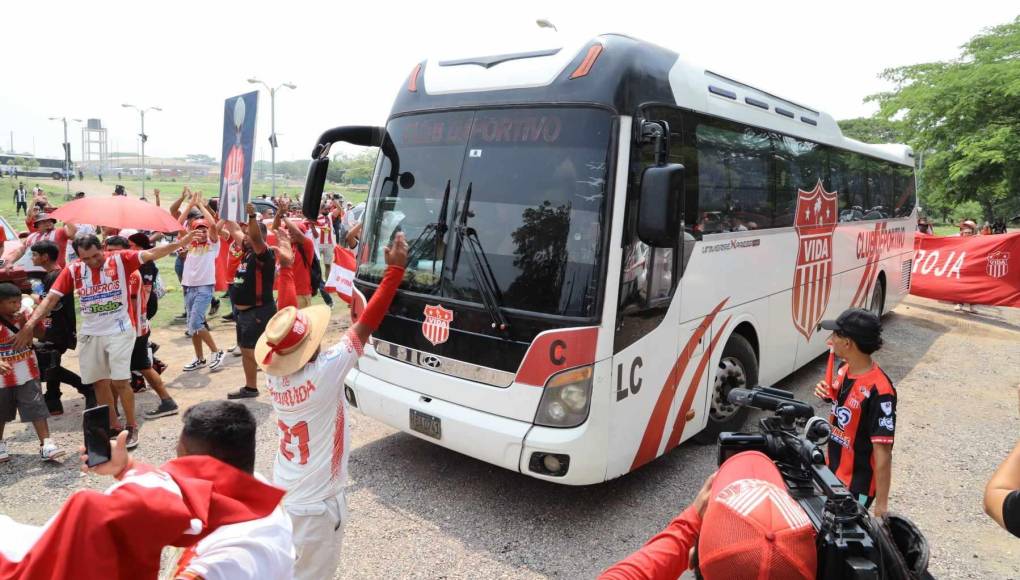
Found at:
<point>863,414</point>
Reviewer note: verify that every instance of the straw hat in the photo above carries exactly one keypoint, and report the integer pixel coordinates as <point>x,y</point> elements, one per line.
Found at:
<point>291,338</point>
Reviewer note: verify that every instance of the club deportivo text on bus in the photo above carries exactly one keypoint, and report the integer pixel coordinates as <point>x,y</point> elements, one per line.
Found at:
<point>557,316</point>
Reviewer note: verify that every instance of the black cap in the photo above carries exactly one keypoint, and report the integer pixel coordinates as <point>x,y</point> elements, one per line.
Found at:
<point>859,325</point>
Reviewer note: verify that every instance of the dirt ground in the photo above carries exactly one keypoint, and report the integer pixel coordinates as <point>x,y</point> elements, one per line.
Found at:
<point>421,511</point>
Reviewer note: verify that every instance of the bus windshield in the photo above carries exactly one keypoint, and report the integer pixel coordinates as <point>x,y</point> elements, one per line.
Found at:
<point>537,204</point>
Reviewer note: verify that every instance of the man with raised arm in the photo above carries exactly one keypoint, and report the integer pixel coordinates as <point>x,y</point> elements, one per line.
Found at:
<point>306,384</point>
<point>107,336</point>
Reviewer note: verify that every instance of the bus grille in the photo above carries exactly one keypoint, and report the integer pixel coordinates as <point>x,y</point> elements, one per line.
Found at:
<point>905,277</point>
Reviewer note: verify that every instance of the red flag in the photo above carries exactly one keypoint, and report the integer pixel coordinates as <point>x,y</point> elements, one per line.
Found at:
<point>341,275</point>
<point>968,269</point>
<point>119,534</point>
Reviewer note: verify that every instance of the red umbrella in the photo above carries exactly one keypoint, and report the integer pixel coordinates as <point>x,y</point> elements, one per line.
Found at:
<point>117,212</point>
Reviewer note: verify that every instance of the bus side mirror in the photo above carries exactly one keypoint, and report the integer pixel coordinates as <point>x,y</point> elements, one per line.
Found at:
<point>662,188</point>
<point>315,182</point>
<point>363,135</point>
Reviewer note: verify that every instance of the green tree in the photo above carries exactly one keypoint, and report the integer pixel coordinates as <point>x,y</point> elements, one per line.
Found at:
<point>963,118</point>
<point>873,130</point>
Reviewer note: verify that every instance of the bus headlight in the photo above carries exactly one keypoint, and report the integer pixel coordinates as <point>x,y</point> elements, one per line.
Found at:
<point>566,398</point>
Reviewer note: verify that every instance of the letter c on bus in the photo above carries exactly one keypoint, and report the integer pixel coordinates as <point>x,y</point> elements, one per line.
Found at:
<point>558,352</point>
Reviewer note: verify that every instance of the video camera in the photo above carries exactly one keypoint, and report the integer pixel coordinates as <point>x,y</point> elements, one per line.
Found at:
<point>851,545</point>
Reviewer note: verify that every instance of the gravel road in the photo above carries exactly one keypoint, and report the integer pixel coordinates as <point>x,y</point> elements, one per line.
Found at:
<point>420,511</point>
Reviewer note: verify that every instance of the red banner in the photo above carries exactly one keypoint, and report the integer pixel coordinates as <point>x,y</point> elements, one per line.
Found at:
<point>970,270</point>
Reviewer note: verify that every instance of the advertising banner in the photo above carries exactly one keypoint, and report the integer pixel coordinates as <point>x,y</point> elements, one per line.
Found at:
<point>968,270</point>
<point>239,115</point>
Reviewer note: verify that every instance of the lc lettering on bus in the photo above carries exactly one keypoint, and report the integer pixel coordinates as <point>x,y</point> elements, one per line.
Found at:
<point>932,263</point>
<point>635,381</point>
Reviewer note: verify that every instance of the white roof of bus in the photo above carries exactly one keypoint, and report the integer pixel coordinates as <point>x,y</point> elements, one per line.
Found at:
<point>690,84</point>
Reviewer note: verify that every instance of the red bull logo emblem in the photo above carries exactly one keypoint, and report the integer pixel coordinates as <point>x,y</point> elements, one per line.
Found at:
<point>436,326</point>
<point>998,264</point>
<point>817,212</point>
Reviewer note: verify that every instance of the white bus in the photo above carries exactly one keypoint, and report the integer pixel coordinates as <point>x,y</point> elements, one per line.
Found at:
<point>605,240</point>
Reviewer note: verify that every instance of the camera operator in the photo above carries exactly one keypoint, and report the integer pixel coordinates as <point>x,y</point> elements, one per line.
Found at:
<point>742,524</point>
<point>1002,494</point>
<point>863,410</point>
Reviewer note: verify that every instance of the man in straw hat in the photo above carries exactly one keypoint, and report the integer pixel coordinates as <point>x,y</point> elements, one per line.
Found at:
<point>306,384</point>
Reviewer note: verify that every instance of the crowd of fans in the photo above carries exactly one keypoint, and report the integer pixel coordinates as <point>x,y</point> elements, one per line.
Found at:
<point>269,269</point>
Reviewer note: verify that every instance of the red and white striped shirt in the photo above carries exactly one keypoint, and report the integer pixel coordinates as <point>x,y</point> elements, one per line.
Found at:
<point>57,235</point>
<point>102,294</point>
<point>24,366</point>
<point>138,295</point>
<point>325,227</point>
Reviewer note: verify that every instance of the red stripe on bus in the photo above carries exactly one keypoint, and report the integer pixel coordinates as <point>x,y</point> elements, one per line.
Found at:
<point>681,417</point>
<point>864,285</point>
<point>649,448</point>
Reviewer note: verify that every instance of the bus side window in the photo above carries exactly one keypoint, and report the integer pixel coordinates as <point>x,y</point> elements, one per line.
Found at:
<point>847,172</point>
<point>733,178</point>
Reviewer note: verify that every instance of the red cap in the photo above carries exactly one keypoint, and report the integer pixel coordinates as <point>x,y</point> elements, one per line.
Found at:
<point>195,224</point>
<point>752,528</point>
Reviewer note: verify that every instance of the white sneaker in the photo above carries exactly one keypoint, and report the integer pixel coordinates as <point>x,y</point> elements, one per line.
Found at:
<point>194,365</point>
<point>234,350</point>
<point>4,455</point>
<point>217,361</point>
<point>958,308</point>
<point>49,450</point>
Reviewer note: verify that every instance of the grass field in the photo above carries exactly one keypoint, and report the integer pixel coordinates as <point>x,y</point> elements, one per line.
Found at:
<point>173,303</point>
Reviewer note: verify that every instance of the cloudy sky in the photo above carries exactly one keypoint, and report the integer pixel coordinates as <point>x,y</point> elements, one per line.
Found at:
<point>85,58</point>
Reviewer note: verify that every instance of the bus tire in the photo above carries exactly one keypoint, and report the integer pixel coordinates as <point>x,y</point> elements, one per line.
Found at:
<point>738,368</point>
<point>877,304</point>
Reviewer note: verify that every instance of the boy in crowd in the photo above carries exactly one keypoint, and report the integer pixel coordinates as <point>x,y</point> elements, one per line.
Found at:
<point>198,281</point>
<point>863,410</point>
<point>141,357</point>
<point>60,335</point>
<point>19,378</point>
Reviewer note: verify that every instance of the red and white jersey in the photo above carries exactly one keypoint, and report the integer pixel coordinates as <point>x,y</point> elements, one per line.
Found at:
<point>24,366</point>
<point>57,235</point>
<point>179,504</point>
<point>102,294</point>
<point>262,548</point>
<point>311,463</point>
<point>138,298</point>
<point>325,230</point>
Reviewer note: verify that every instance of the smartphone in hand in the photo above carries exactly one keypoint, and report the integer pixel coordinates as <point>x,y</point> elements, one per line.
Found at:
<point>96,424</point>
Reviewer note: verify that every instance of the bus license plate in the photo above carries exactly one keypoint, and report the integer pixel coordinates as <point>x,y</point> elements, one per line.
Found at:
<point>426,424</point>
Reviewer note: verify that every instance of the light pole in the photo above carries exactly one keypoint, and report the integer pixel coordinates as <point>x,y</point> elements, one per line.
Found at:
<point>272,123</point>
<point>67,154</point>
<point>144,137</point>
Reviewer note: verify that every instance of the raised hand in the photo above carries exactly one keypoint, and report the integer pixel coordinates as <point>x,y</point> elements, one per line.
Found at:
<point>396,253</point>
<point>284,251</point>
<point>250,209</point>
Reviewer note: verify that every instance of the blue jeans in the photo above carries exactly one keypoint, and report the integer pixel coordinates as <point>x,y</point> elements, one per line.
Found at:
<point>196,303</point>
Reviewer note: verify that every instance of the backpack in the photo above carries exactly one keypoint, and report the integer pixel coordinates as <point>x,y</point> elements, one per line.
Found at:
<point>315,269</point>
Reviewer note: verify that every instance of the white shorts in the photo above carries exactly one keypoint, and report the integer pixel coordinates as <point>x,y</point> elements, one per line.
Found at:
<point>106,357</point>
<point>318,537</point>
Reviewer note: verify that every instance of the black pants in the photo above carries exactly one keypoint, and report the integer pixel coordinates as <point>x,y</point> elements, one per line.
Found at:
<point>58,374</point>
<point>20,206</point>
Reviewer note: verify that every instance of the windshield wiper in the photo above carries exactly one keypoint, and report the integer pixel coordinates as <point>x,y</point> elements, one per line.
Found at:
<point>481,270</point>
<point>435,230</point>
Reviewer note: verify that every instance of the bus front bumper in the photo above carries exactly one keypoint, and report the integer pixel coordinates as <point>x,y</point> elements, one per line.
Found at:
<point>500,441</point>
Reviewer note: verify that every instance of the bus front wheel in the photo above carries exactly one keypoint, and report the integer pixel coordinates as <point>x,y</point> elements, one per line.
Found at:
<point>738,369</point>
